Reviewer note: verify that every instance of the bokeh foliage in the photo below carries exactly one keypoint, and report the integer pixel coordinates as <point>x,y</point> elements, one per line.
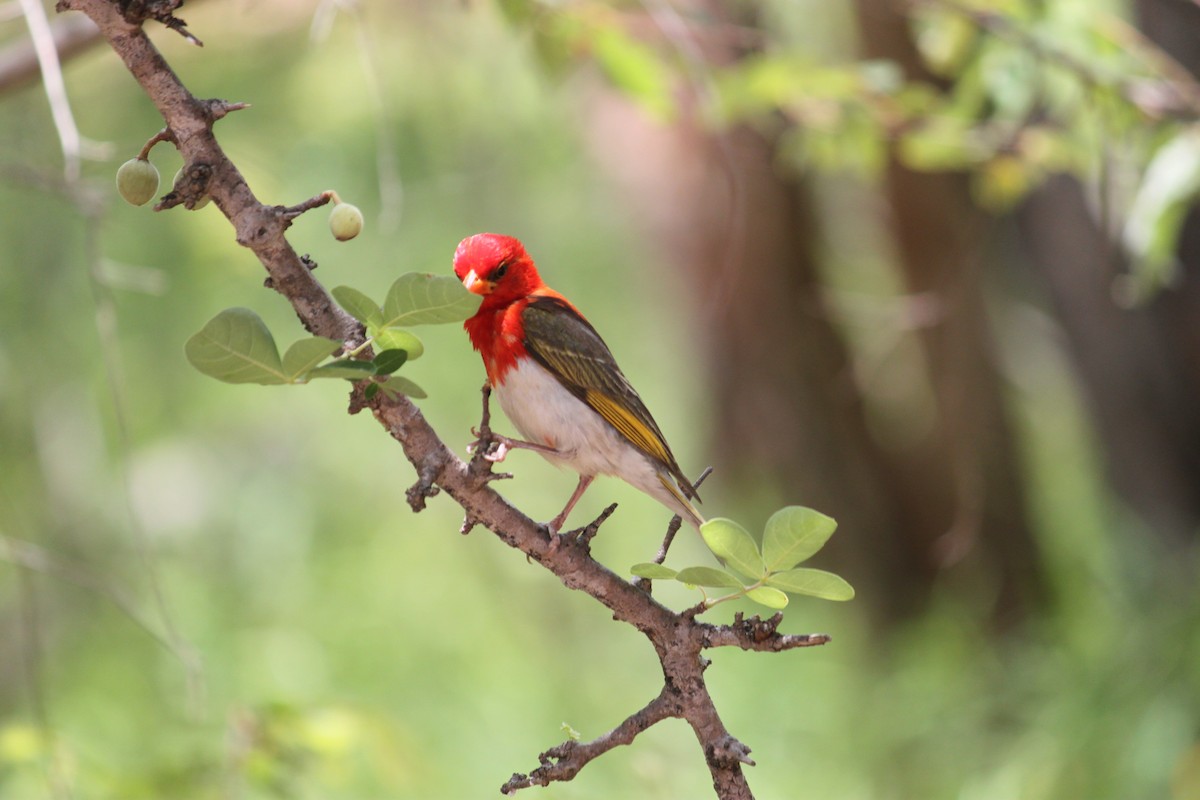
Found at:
<point>352,649</point>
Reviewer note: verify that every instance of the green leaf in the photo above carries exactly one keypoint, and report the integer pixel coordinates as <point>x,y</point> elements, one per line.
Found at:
<point>793,534</point>
<point>306,354</point>
<point>708,576</point>
<point>371,390</point>
<point>404,386</point>
<point>814,582</point>
<point>734,545</point>
<point>766,596</point>
<point>423,299</point>
<point>636,69</point>
<point>346,368</point>
<point>236,347</point>
<point>359,306</point>
<point>389,361</point>
<point>396,339</point>
<point>1155,219</point>
<point>652,571</point>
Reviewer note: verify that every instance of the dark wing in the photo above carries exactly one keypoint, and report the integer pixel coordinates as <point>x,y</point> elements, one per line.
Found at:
<point>563,342</point>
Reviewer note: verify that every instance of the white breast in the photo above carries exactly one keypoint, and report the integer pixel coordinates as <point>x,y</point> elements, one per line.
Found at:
<point>546,413</point>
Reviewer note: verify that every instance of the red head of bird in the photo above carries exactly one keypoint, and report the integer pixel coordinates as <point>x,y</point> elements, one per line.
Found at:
<point>497,267</point>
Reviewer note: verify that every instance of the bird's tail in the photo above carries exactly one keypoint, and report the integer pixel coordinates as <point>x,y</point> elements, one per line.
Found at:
<point>682,505</point>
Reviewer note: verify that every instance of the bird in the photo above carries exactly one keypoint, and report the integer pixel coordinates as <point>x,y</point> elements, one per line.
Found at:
<point>558,382</point>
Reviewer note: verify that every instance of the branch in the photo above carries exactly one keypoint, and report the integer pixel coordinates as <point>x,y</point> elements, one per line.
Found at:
<point>1178,95</point>
<point>678,639</point>
<point>563,762</point>
<point>19,65</point>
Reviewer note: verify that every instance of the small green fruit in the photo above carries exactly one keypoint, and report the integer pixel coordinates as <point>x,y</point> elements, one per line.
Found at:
<point>345,221</point>
<point>137,181</point>
<point>202,202</point>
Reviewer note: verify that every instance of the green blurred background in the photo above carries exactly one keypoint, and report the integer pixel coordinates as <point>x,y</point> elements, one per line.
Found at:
<point>880,261</point>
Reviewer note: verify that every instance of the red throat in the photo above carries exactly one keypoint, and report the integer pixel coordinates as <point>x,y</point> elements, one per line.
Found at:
<point>498,336</point>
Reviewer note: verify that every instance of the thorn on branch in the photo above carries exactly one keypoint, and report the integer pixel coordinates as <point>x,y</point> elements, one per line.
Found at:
<point>219,108</point>
<point>588,532</point>
<point>727,752</point>
<point>137,12</point>
<point>424,487</point>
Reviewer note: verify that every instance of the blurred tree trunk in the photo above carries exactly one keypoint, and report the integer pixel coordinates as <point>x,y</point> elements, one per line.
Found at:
<point>789,416</point>
<point>744,233</point>
<point>1140,367</point>
<point>975,503</point>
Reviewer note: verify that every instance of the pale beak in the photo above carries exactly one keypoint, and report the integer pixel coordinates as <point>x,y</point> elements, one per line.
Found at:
<point>475,284</point>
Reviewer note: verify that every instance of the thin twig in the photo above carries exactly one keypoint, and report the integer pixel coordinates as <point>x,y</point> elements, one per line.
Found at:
<point>563,762</point>
<point>676,523</point>
<point>19,64</point>
<point>56,89</point>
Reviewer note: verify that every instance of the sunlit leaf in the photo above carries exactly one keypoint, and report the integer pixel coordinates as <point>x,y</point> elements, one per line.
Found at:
<point>396,339</point>
<point>734,545</point>
<point>814,582</point>
<point>652,571</point>
<point>306,354</point>
<point>423,299</point>
<point>708,576</point>
<point>945,39</point>
<point>636,69</point>
<point>1168,190</point>
<point>793,534</point>
<point>766,596</point>
<point>358,305</point>
<point>236,347</point>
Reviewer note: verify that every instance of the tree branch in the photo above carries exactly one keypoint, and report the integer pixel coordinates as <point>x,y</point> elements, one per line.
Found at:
<point>563,762</point>
<point>678,639</point>
<point>19,65</point>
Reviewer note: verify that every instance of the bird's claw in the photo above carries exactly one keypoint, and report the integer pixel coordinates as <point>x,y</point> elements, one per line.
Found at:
<point>497,447</point>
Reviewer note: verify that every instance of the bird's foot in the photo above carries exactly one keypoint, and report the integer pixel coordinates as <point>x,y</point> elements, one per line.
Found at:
<point>497,447</point>
<point>551,528</point>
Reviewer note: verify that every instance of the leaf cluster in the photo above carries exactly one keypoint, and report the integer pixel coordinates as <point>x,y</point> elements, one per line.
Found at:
<point>765,574</point>
<point>236,346</point>
<point>1014,92</point>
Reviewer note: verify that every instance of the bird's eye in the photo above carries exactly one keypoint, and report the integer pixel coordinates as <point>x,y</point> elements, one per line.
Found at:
<point>500,271</point>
